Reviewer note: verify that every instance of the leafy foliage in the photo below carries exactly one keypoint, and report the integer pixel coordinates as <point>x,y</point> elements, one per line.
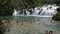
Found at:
<point>7,6</point>
<point>57,16</point>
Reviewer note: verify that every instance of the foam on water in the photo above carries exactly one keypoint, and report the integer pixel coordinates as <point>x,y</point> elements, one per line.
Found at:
<point>48,10</point>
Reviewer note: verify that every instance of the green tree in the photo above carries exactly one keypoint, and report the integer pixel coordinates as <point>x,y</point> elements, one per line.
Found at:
<point>5,8</point>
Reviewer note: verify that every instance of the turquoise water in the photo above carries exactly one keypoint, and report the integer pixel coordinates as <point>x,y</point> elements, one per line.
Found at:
<point>44,21</point>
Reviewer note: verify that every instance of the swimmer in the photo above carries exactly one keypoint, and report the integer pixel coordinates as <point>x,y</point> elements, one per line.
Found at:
<point>46,32</point>
<point>50,32</point>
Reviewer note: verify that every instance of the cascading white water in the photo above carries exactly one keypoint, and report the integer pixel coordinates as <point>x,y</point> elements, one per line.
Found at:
<point>48,10</point>
<point>36,11</point>
<point>16,12</point>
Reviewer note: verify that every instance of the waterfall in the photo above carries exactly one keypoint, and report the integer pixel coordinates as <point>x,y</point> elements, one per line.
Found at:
<point>48,10</point>
<point>36,11</point>
<point>15,13</point>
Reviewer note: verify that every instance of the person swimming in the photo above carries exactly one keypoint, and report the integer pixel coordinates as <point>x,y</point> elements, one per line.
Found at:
<point>50,32</point>
<point>17,21</point>
<point>46,32</point>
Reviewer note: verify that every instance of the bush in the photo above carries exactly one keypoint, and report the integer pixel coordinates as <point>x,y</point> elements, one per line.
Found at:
<point>57,16</point>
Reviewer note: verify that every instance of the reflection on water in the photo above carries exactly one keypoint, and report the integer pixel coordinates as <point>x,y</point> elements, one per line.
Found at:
<point>32,25</point>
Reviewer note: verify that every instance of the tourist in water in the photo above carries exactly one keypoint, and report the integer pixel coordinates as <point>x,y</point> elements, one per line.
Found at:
<point>8,30</point>
<point>39,23</point>
<point>50,32</point>
<point>17,21</point>
<point>46,32</point>
<point>51,21</point>
<point>31,22</point>
<point>38,20</point>
<point>22,23</point>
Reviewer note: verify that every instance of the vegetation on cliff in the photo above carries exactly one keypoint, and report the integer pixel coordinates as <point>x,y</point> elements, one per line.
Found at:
<point>57,16</point>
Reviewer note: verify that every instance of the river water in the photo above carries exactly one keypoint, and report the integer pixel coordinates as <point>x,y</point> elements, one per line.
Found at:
<point>32,25</point>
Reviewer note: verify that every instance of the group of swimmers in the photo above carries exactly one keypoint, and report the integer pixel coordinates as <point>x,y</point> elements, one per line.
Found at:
<point>50,32</point>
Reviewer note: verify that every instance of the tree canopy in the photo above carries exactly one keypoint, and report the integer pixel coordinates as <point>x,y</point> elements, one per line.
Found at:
<point>7,6</point>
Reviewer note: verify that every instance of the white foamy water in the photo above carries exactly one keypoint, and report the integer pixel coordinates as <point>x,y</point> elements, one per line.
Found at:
<point>16,12</point>
<point>48,10</point>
